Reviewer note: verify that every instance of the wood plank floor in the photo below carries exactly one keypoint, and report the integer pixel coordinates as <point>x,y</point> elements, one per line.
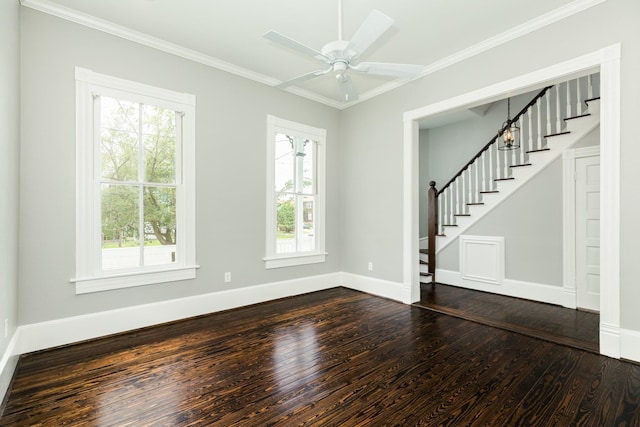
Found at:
<point>337,358</point>
<point>576,328</point>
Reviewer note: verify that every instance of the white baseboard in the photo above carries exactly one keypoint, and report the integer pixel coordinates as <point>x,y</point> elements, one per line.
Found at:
<point>382,288</point>
<point>509,287</point>
<point>8,364</point>
<point>630,344</point>
<point>39,336</point>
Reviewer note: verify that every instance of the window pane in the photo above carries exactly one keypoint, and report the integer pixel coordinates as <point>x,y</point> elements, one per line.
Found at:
<point>308,242</point>
<point>120,218</point>
<point>159,225</point>
<point>309,168</point>
<point>286,227</point>
<point>119,139</point>
<point>159,138</point>
<point>283,164</point>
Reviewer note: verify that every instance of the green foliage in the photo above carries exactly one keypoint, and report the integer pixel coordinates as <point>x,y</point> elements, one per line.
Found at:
<point>286,217</point>
<point>125,141</point>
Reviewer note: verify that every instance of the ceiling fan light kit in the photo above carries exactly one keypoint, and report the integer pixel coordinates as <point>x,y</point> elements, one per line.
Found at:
<point>340,56</point>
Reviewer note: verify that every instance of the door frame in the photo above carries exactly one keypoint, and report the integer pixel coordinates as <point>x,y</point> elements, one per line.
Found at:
<point>570,291</point>
<point>607,62</point>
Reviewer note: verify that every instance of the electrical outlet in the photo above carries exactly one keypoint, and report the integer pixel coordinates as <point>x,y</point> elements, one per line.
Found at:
<point>227,276</point>
<point>6,328</point>
<point>370,266</point>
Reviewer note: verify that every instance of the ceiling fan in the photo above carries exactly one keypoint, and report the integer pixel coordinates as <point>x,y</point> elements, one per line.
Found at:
<point>340,55</point>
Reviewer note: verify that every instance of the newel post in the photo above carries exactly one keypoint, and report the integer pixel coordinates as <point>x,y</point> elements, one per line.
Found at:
<point>432,229</point>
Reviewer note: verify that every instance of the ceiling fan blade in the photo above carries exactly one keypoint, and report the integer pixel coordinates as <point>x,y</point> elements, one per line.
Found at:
<point>388,69</point>
<point>303,78</point>
<point>285,41</point>
<point>347,90</point>
<point>371,29</point>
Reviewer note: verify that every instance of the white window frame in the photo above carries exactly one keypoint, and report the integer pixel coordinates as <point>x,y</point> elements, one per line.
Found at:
<point>272,259</point>
<point>89,275</point>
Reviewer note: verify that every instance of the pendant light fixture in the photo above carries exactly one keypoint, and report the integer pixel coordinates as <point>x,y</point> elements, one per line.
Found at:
<point>509,133</point>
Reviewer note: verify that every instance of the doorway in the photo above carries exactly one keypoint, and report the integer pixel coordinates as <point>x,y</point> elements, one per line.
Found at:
<point>607,62</point>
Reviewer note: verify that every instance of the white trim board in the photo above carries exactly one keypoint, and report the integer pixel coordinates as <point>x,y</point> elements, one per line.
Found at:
<point>8,364</point>
<point>608,61</point>
<point>509,287</point>
<point>59,332</point>
<point>54,333</point>
<point>108,27</point>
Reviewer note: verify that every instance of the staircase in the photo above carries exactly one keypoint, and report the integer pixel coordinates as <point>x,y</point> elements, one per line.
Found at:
<point>556,118</point>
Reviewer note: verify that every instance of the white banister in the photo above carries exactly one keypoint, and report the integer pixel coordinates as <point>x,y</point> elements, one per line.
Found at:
<point>590,86</point>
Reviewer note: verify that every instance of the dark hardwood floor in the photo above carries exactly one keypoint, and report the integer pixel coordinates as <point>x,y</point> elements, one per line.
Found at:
<point>576,328</point>
<point>337,358</point>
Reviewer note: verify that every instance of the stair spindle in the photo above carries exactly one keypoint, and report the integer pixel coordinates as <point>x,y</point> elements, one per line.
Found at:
<point>548,105</point>
<point>473,186</point>
<point>590,86</point>
<point>568,99</point>
<point>457,198</point>
<point>531,147</point>
<point>558,113</point>
<point>441,212</point>
<point>483,159</point>
<point>505,160</point>
<point>579,103</point>
<point>539,120</point>
<point>522,149</point>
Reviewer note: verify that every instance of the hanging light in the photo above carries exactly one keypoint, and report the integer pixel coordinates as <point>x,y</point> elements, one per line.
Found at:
<point>509,133</point>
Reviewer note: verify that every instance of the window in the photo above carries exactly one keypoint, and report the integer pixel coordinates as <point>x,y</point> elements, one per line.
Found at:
<point>135,190</point>
<point>295,194</point>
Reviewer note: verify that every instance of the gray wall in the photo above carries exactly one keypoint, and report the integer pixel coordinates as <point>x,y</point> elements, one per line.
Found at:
<point>231,150</point>
<point>9,161</point>
<point>371,229</point>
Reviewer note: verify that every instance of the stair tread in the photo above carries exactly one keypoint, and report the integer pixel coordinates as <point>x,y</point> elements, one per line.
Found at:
<point>425,274</point>
<point>538,150</point>
<point>423,262</point>
<point>586,101</point>
<point>504,179</point>
<point>475,204</point>
<point>424,251</point>
<point>461,215</point>
<point>519,166</point>
<point>449,225</point>
<point>489,192</point>
<point>577,117</point>
<point>557,134</point>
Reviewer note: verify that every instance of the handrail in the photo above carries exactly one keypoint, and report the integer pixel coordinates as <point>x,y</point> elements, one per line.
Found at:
<point>493,140</point>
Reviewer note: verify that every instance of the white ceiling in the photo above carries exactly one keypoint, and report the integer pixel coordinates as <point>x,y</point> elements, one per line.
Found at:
<point>426,32</point>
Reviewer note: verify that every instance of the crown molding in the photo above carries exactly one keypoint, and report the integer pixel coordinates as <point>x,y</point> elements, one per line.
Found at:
<point>108,27</point>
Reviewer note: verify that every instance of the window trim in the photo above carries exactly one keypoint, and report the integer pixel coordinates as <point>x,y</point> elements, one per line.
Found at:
<point>89,278</point>
<point>272,259</point>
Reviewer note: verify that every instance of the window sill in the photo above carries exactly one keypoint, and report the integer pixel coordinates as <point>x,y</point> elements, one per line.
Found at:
<point>85,285</point>
<point>292,260</point>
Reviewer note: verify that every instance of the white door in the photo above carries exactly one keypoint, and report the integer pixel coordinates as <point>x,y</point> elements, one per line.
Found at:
<point>588,232</point>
